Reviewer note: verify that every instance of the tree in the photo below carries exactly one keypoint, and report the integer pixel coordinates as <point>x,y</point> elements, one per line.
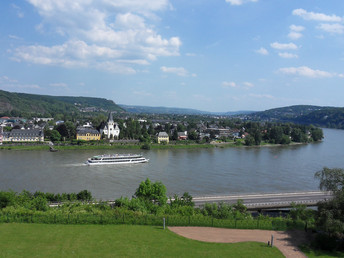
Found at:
<point>249,140</point>
<point>54,136</point>
<point>71,129</point>
<point>193,135</point>
<point>331,179</point>
<point>175,135</point>
<point>84,196</point>
<point>331,213</point>
<point>62,129</point>
<point>317,134</point>
<point>257,137</point>
<point>152,192</point>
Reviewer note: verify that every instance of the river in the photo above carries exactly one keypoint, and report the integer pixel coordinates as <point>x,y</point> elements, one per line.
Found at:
<point>201,172</point>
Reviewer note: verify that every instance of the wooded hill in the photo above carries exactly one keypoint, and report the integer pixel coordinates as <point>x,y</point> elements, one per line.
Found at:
<point>331,117</point>
<point>22,104</point>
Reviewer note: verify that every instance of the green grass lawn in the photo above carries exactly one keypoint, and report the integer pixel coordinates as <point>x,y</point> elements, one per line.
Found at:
<point>44,240</point>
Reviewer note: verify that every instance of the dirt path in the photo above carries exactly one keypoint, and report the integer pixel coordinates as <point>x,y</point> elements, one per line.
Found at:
<point>285,241</point>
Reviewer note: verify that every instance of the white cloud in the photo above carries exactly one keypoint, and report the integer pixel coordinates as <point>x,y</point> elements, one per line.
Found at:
<point>116,34</point>
<point>296,28</point>
<point>246,85</point>
<point>262,51</point>
<point>294,35</point>
<point>14,37</point>
<point>249,84</point>
<point>20,13</point>
<point>229,84</point>
<point>283,46</point>
<point>262,96</point>
<point>14,85</point>
<point>316,16</point>
<point>335,28</point>
<point>287,55</point>
<point>59,85</point>
<point>306,72</point>
<point>295,32</point>
<point>180,71</point>
<point>240,2</point>
<point>143,93</point>
<point>5,79</point>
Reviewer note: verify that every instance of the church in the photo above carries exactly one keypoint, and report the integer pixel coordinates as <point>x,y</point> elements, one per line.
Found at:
<point>110,129</point>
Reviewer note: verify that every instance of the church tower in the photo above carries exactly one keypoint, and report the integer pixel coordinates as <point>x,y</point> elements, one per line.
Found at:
<point>110,128</point>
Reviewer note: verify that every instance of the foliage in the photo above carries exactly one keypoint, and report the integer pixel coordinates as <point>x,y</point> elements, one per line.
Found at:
<point>84,195</point>
<point>152,192</point>
<point>331,117</point>
<point>300,212</point>
<point>331,179</point>
<point>28,105</point>
<point>330,217</point>
<point>184,200</point>
<point>53,136</point>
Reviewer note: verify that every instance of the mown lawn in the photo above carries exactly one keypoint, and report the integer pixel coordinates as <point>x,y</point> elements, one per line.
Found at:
<point>44,240</point>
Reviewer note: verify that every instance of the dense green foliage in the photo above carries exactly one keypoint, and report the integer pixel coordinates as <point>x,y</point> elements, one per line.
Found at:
<point>329,218</point>
<point>280,133</point>
<point>28,105</point>
<point>331,213</point>
<point>148,207</point>
<point>331,117</point>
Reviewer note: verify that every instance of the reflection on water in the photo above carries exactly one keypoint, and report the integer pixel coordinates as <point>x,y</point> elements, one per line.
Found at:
<point>201,172</point>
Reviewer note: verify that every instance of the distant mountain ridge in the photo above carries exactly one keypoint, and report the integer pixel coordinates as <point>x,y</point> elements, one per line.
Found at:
<point>331,117</point>
<point>16,104</point>
<point>22,104</point>
<point>176,111</point>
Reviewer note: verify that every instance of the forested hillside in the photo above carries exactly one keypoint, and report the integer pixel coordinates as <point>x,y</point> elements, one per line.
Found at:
<point>25,105</point>
<point>331,117</point>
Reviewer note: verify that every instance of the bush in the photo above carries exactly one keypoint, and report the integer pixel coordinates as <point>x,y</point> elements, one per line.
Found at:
<point>324,242</point>
<point>6,199</point>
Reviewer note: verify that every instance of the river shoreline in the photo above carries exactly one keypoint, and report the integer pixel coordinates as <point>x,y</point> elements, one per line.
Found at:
<point>135,146</point>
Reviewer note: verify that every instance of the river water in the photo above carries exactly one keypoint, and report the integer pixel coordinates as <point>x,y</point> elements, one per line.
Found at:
<point>201,172</point>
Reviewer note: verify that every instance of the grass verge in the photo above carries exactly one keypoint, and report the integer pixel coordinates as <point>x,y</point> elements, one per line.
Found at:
<point>41,240</point>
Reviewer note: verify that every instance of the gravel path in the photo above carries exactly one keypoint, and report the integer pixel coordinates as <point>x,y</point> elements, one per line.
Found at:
<point>285,241</point>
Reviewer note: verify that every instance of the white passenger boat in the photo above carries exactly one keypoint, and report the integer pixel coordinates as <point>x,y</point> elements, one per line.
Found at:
<point>116,159</point>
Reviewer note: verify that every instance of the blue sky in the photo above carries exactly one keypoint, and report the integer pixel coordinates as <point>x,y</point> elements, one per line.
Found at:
<point>212,55</point>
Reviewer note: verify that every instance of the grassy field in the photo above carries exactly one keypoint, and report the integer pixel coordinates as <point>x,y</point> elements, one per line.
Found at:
<point>40,240</point>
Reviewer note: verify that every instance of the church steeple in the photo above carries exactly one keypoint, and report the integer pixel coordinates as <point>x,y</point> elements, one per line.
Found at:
<point>110,118</point>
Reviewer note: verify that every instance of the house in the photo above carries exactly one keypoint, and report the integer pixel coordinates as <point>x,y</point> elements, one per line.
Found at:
<point>163,137</point>
<point>183,135</point>
<point>110,129</point>
<point>24,135</point>
<point>87,134</point>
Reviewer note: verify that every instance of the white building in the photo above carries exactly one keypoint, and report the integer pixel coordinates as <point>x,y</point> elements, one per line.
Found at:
<point>110,129</point>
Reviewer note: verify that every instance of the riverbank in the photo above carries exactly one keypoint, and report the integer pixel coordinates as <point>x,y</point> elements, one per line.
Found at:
<point>133,146</point>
